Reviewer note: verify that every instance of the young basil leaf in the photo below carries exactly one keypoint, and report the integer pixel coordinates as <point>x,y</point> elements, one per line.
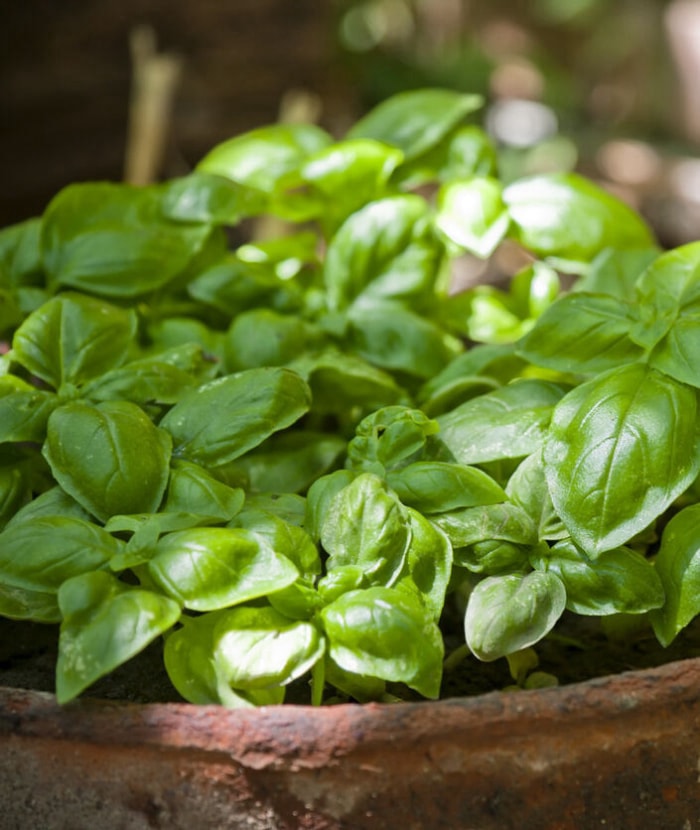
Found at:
<point>319,498</point>
<point>289,540</point>
<point>105,623</point>
<point>615,271</point>
<point>53,502</point>
<point>20,253</point>
<point>24,410</point>
<point>385,633</point>
<point>298,601</point>
<point>621,448</point>
<point>510,422</point>
<point>290,462</point>
<point>14,492</point>
<point>259,158</point>
<point>73,338</point>
<point>493,557</point>
<point>211,199</point>
<point>40,554</point>
<point>229,416</point>
<point>35,606</point>
<point>290,507</point>
<point>678,568</point>
<point>564,215</point>
<point>108,456</point>
<point>527,488</point>
<point>385,250</point>
<point>619,581</point>
<point>192,490</point>
<point>512,612</point>
<point>394,338</point>
<point>504,522</point>
<point>583,333</point>
<point>416,120</point>
<point>472,214</point>
<point>340,581</point>
<point>390,438</point>
<point>438,486</point>
<point>428,566</point>
<point>208,568</point>
<point>359,687</point>
<point>258,648</point>
<point>367,525</point>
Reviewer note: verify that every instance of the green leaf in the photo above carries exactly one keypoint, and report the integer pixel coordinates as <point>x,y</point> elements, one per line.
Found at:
<point>622,447</point>
<point>24,410</point>
<point>259,158</point>
<point>385,633</point>
<point>527,488</point>
<point>20,253</point>
<point>428,565</point>
<point>229,416</point>
<point>73,338</point>
<point>105,623</point>
<point>14,492</point>
<point>212,199</point>
<point>619,581</point>
<point>512,612</point>
<point>510,422</point>
<point>390,438</point>
<point>319,499</point>
<point>503,522</point>
<point>385,250</point>
<point>108,456</point>
<point>472,214</point>
<point>615,271</point>
<point>262,337</point>
<point>40,554</point>
<point>438,486</point>
<point>416,120</point>
<point>35,606</point>
<point>53,502</point>
<point>367,525</point>
<point>564,215</point>
<point>284,538</point>
<point>192,490</point>
<point>678,568</point>
<point>258,648</point>
<point>583,333</point>
<point>208,568</point>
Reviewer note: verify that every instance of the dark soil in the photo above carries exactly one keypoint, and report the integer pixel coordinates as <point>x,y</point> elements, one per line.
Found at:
<point>579,650</point>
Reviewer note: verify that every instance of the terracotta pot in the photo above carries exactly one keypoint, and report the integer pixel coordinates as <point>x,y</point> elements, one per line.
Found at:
<point>616,752</point>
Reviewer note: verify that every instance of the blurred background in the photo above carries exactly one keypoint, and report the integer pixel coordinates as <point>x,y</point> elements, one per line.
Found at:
<point>141,89</point>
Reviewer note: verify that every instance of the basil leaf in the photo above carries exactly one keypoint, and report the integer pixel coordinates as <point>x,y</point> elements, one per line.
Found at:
<point>385,250</point>
<point>53,502</point>
<point>192,490</point>
<point>73,338</point>
<point>367,525</point>
<point>615,271</point>
<point>472,214</point>
<point>390,438</point>
<point>619,581</point>
<point>259,158</point>
<point>510,422</point>
<point>208,568</point>
<point>319,499</point>
<point>14,492</point>
<point>564,215</point>
<point>35,606</point>
<point>105,623</point>
<point>258,648</point>
<point>527,488</point>
<point>416,120</point>
<point>385,633</point>
<point>212,199</point>
<point>109,457</point>
<point>24,410</point>
<point>437,486</point>
<point>583,333</point>
<point>678,568</point>
<point>284,538</point>
<point>229,416</point>
<point>20,253</point>
<point>505,522</point>
<point>621,448</point>
<point>262,337</point>
<point>509,613</point>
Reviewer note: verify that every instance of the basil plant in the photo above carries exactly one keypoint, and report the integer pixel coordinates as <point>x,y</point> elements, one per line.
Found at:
<point>284,459</point>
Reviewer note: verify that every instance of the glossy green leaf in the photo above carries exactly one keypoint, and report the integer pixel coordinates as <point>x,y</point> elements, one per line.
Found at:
<point>52,502</point>
<point>105,623</point>
<point>583,333</point>
<point>564,215</point>
<point>385,633</point>
<point>284,538</point>
<point>258,648</point>
<point>208,568</point>
<point>527,488</point>
<point>622,447</point>
<point>14,492</point>
<point>259,158</point>
<point>615,271</point>
<point>229,416</point>
<point>512,612</point>
<point>191,489</point>
<point>504,522</point>
<point>438,486</point>
<point>367,525</point>
<point>678,567</point>
<point>33,606</point>
<point>24,410</point>
<point>416,120</point>
<point>209,198</point>
<point>262,337</point>
<point>507,423</point>
<point>73,338</point>
<point>385,250</point>
<point>20,253</point>
<point>109,457</point>
<point>41,553</point>
<point>619,581</point>
<point>472,214</point>
<point>319,499</point>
